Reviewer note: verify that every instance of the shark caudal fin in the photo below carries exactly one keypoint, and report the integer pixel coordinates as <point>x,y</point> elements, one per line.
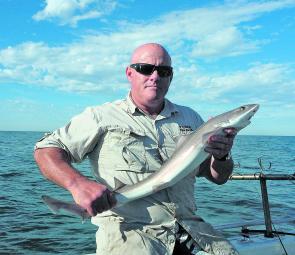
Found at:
<point>50,202</point>
<point>56,206</point>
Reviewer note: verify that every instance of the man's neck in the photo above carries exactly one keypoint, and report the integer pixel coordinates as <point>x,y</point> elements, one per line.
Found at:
<point>151,110</point>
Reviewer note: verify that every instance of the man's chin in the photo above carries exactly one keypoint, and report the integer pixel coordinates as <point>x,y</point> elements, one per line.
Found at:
<point>153,88</point>
<point>155,98</point>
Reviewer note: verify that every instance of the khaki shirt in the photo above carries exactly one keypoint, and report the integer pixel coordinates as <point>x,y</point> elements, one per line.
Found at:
<point>122,143</point>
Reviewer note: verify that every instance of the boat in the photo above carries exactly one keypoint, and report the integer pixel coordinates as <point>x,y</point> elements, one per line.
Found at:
<point>265,241</point>
<point>260,245</point>
<point>250,241</point>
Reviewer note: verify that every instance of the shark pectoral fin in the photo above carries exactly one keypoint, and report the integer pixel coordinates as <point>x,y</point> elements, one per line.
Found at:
<point>206,136</point>
<point>118,184</point>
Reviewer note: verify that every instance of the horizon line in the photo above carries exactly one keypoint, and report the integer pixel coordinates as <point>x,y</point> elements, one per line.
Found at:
<point>42,131</point>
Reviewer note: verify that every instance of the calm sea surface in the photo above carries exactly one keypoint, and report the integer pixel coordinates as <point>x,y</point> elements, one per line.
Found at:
<point>28,227</point>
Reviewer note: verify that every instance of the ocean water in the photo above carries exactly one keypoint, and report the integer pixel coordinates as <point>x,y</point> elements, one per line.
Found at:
<point>28,227</point>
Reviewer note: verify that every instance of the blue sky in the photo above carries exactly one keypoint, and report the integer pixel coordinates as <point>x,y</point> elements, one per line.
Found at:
<point>58,57</point>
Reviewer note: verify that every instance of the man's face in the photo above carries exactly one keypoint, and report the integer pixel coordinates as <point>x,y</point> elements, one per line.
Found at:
<point>149,90</point>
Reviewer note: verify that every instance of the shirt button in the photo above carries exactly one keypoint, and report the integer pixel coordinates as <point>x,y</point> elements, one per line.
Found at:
<point>171,239</point>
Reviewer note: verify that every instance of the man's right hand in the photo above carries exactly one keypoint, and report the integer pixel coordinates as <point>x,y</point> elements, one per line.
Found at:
<point>55,166</point>
<point>92,196</point>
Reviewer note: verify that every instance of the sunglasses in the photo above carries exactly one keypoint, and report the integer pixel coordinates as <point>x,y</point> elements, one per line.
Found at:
<point>148,69</point>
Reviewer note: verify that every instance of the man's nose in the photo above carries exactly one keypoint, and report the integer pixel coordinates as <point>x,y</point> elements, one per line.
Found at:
<point>154,76</point>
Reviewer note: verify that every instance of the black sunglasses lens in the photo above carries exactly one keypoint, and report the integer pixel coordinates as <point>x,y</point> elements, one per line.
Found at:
<point>164,71</point>
<point>146,69</point>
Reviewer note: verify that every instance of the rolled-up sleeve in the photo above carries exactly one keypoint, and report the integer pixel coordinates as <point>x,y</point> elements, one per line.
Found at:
<point>78,137</point>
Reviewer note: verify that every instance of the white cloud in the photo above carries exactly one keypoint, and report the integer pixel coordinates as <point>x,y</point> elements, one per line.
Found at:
<point>97,61</point>
<point>72,11</point>
<point>228,41</point>
<point>78,67</point>
<point>259,83</point>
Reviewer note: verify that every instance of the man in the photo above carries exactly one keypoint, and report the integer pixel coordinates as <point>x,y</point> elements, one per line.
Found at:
<point>126,141</point>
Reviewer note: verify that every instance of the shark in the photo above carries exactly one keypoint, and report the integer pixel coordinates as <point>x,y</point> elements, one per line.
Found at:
<point>188,155</point>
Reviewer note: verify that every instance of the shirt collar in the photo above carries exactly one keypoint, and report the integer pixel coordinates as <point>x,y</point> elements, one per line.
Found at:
<point>130,104</point>
<point>168,111</point>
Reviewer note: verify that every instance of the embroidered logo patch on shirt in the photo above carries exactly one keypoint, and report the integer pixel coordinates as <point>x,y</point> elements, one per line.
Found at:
<point>185,129</point>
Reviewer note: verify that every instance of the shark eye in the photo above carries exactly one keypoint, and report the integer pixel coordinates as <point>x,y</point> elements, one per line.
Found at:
<point>242,108</point>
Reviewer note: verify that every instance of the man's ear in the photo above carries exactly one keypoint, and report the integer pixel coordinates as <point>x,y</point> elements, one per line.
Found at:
<point>128,73</point>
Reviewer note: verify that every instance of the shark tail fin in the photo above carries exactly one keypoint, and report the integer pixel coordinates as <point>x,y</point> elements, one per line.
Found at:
<point>51,205</point>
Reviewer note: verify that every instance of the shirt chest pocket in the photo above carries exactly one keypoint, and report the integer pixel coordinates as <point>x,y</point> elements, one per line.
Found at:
<point>125,150</point>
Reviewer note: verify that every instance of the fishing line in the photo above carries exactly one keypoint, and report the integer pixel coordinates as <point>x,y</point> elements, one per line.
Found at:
<point>280,239</point>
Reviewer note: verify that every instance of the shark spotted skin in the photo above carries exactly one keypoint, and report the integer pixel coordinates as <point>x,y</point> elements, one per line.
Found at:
<point>187,157</point>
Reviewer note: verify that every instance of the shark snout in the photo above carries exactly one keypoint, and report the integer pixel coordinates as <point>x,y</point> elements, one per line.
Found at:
<point>252,109</point>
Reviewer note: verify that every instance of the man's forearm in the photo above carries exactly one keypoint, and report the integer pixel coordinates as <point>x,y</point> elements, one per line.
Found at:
<point>89,194</point>
<point>55,166</point>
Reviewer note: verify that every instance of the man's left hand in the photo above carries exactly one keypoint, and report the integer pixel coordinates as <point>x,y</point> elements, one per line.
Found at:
<point>220,145</point>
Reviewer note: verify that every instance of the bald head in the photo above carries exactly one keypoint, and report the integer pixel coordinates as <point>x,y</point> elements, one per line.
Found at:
<point>150,50</point>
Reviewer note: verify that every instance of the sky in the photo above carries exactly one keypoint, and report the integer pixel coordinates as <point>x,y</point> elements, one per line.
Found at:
<point>58,57</point>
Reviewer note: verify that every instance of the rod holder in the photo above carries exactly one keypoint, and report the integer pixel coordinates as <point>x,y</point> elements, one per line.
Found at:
<point>266,210</point>
<point>262,178</point>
